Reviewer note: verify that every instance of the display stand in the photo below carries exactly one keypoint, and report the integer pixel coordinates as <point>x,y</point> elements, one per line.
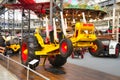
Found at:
<point>31,64</point>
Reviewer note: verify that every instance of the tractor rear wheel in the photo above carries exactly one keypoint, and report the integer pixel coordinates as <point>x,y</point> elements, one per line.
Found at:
<point>57,60</point>
<point>66,48</point>
<point>28,48</point>
<point>96,49</point>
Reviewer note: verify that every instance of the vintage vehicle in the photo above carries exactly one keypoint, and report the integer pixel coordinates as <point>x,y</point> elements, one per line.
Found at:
<point>109,40</point>
<point>12,45</point>
<point>34,47</point>
<point>111,47</point>
<point>84,36</point>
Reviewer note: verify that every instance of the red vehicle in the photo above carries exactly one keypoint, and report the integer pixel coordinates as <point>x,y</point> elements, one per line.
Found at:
<point>38,8</point>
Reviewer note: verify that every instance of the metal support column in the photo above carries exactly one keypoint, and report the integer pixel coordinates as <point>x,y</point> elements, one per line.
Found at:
<point>55,10</point>
<point>26,21</point>
<point>2,22</point>
<point>11,22</point>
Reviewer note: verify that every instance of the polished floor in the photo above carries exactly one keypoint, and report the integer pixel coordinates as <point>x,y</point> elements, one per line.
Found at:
<point>6,75</point>
<point>72,72</point>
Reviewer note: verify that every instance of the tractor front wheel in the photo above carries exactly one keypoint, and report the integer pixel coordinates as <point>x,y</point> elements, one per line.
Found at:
<point>66,48</point>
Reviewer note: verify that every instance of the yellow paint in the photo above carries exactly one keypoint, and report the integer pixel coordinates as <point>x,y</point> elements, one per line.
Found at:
<point>65,47</point>
<point>47,49</point>
<point>95,47</point>
<point>14,47</point>
<point>84,34</point>
<point>25,51</point>
<point>39,38</point>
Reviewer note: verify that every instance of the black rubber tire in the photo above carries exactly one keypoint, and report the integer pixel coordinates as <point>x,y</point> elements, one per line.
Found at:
<point>57,60</point>
<point>32,45</point>
<point>117,51</point>
<point>100,48</point>
<point>66,43</point>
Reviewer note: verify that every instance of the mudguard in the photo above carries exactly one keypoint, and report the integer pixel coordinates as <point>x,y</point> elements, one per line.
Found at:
<point>112,46</point>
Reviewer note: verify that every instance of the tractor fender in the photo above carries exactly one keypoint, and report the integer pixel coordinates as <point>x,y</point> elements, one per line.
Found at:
<point>112,46</point>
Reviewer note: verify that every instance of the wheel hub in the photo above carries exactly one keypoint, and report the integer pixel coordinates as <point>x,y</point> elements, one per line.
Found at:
<point>94,48</point>
<point>64,47</point>
<point>24,52</point>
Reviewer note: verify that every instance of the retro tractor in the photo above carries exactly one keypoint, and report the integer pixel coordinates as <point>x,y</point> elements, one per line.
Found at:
<point>12,45</point>
<point>83,37</point>
<point>111,47</point>
<point>34,47</point>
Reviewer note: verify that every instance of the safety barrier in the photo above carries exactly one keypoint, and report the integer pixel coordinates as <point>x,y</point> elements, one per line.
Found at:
<point>27,67</point>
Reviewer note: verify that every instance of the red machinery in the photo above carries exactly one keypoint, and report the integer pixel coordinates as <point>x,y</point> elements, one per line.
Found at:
<point>38,8</point>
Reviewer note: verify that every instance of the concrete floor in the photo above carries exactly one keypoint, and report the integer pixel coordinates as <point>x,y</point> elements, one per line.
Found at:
<point>6,75</point>
<point>104,64</point>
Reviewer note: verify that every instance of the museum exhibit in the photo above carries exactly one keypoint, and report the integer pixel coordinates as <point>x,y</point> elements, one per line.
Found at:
<point>59,39</point>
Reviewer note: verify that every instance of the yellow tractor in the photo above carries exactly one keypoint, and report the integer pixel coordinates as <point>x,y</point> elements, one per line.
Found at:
<point>83,37</point>
<point>12,45</point>
<point>34,47</point>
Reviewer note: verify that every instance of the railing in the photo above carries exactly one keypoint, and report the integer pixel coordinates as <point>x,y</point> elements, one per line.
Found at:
<point>8,59</point>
